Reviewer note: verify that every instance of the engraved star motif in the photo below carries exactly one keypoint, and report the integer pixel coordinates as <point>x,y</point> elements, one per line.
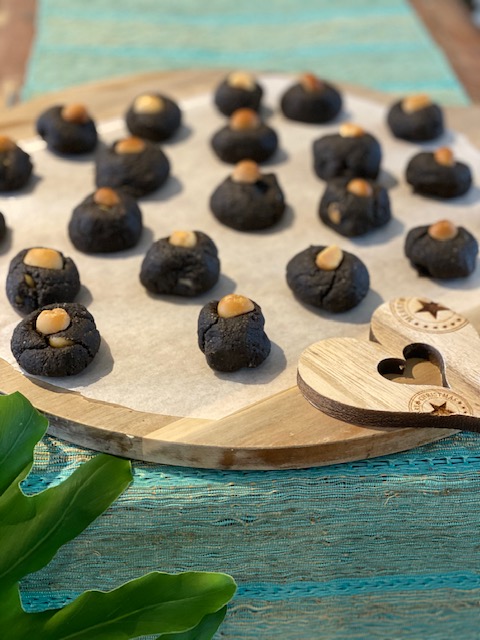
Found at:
<point>440,409</point>
<point>431,307</point>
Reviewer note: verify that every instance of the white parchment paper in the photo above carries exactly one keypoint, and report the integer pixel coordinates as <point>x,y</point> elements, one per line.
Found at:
<point>149,359</point>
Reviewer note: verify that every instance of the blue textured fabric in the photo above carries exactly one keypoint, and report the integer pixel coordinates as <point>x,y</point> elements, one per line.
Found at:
<point>377,43</point>
<point>373,549</point>
<point>383,548</point>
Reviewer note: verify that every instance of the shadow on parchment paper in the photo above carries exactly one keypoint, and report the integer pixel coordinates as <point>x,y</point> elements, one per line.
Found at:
<point>471,197</point>
<point>224,286</point>
<point>183,133</point>
<point>29,188</point>
<point>84,296</point>
<point>265,373</point>
<point>6,243</point>
<point>170,189</point>
<point>387,179</point>
<point>279,157</point>
<point>361,314</point>
<point>392,229</point>
<point>144,243</point>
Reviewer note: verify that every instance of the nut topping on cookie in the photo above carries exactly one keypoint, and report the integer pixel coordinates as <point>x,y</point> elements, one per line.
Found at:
<point>130,145</point>
<point>442,230</point>
<point>43,258</point>
<point>52,321</point>
<point>183,239</point>
<point>329,258</point>
<point>410,104</point>
<point>76,113</point>
<point>241,80</point>
<point>244,119</point>
<point>360,188</point>
<point>6,144</point>
<point>311,83</point>
<point>444,156</point>
<point>233,305</point>
<point>351,130</point>
<point>106,197</point>
<point>246,171</point>
<point>148,103</point>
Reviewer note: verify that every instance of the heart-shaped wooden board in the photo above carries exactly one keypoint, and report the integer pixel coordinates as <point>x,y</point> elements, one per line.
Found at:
<point>357,380</point>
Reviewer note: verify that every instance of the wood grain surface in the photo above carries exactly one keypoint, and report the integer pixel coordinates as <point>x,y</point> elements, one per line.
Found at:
<point>354,380</point>
<point>281,432</point>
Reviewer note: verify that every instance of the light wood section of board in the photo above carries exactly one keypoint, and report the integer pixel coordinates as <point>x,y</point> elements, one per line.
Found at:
<point>282,432</point>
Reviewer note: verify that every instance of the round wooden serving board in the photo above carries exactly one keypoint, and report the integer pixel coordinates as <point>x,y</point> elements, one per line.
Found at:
<point>281,432</point>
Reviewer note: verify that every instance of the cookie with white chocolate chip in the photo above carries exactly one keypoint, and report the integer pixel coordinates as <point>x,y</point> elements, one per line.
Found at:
<point>183,264</point>
<point>248,200</point>
<point>231,334</point>
<point>438,174</point>
<point>328,278</point>
<point>238,90</point>
<point>56,340</point>
<point>15,165</point>
<point>351,152</point>
<point>153,116</point>
<point>68,129</point>
<point>245,137</point>
<point>415,118</point>
<point>106,221</point>
<point>311,100</point>
<point>354,207</point>
<point>137,166</point>
<point>442,250</point>
<point>39,276</point>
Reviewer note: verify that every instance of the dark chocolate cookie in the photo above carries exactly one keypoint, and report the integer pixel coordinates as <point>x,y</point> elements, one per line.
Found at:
<point>352,153</point>
<point>134,165</point>
<point>416,119</point>
<point>238,90</point>
<point>40,276</point>
<point>106,221</point>
<point>3,227</point>
<point>354,207</point>
<point>68,129</point>
<point>328,278</point>
<point>442,250</point>
<point>245,138</point>
<point>231,334</point>
<point>438,175</point>
<point>57,340</point>
<point>153,116</point>
<point>15,165</point>
<point>311,100</point>
<point>183,264</point>
<point>248,200</point>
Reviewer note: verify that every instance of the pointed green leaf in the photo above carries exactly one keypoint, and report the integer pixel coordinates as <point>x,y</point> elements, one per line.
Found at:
<point>156,603</point>
<point>205,630</point>
<point>21,427</point>
<point>33,528</point>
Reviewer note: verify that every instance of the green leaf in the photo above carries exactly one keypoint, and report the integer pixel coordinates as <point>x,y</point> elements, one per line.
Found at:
<point>21,427</point>
<point>205,630</point>
<point>156,603</point>
<point>33,528</point>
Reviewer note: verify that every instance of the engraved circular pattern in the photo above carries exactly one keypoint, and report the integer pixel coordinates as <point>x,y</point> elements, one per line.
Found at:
<point>438,402</point>
<point>427,316</point>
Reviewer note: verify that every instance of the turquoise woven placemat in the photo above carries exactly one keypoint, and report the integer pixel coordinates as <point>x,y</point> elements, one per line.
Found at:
<point>378,549</point>
<point>378,43</point>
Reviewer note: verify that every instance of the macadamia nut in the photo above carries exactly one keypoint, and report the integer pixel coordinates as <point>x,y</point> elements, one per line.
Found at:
<point>329,258</point>
<point>52,321</point>
<point>233,305</point>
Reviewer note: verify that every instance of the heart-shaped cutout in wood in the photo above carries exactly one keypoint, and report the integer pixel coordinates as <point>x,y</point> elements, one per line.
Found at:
<point>351,379</point>
<point>422,365</point>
